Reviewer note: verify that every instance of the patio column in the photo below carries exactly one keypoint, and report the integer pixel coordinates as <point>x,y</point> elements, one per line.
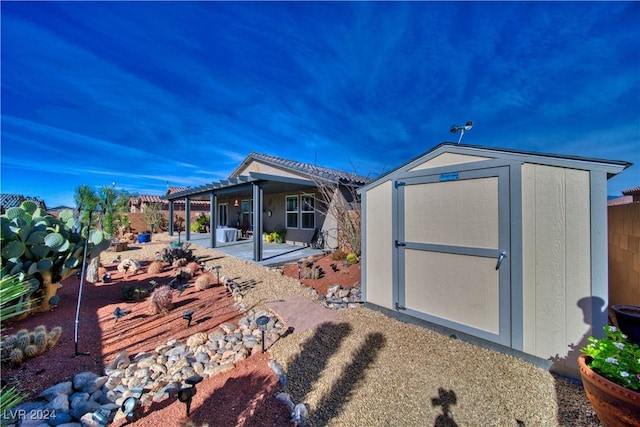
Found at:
<point>213,217</point>
<point>170,217</point>
<point>257,222</point>
<point>187,220</point>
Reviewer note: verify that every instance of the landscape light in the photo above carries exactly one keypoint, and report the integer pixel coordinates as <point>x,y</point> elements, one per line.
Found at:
<point>130,403</point>
<point>101,417</point>
<point>217,268</point>
<point>188,315</point>
<point>185,394</point>
<point>262,322</point>
<point>299,268</point>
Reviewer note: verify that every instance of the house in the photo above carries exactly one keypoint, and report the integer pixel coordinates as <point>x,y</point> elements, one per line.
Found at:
<point>13,200</point>
<point>269,193</point>
<point>502,247</point>
<point>139,203</point>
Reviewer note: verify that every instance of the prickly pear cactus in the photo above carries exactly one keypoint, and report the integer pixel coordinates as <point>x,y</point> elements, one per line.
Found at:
<point>43,250</point>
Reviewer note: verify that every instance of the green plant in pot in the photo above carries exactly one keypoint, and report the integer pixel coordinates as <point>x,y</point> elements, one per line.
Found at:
<point>610,372</point>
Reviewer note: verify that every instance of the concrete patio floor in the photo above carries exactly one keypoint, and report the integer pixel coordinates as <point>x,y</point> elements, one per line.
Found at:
<point>272,253</point>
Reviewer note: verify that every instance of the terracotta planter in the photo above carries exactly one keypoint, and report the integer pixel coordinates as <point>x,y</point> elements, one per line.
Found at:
<point>615,405</point>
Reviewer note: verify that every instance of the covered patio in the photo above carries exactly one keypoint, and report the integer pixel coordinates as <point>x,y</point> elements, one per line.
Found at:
<point>269,194</point>
<point>272,253</point>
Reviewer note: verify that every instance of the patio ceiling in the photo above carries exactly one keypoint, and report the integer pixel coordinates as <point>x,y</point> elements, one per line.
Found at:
<point>243,187</point>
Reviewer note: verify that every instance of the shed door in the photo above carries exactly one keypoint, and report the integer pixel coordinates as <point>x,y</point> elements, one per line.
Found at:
<point>453,251</point>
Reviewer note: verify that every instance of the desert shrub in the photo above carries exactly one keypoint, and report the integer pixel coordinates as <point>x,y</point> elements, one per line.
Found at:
<point>24,345</point>
<point>161,300</point>
<point>172,253</point>
<point>338,256</point>
<point>128,265</point>
<point>184,274</point>
<point>155,267</point>
<point>193,267</point>
<point>203,282</point>
<point>180,262</point>
<point>133,293</point>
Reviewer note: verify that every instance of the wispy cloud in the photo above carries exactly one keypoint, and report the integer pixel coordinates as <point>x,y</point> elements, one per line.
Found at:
<point>144,93</point>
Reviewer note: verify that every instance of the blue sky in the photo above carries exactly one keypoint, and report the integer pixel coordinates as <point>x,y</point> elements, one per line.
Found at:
<point>145,93</point>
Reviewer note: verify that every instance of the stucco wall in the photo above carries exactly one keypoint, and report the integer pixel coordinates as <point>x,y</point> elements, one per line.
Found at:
<point>256,166</point>
<point>379,246</point>
<point>624,254</point>
<point>556,261</point>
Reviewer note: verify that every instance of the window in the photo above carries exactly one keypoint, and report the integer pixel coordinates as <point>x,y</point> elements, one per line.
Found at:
<point>307,215</point>
<point>247,213</point>
<point>222,214</point>
<point>292,211</point>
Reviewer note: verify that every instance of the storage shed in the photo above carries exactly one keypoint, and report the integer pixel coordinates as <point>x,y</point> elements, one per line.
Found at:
<point>507,248</point>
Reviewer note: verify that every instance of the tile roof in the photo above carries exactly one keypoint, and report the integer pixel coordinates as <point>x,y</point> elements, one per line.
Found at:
<point>11,200</point>
<point>312,170</point>
<point>632,191</point>
<point>623,200</point>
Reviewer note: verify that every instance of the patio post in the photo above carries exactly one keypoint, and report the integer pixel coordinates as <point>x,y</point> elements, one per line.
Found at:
<point>213,217</point>
<point>187,219</point>
<point>170,217</point>
<point>257,221</point>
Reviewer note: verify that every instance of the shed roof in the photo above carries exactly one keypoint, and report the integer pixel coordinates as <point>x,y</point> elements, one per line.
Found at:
<point>611,167</point>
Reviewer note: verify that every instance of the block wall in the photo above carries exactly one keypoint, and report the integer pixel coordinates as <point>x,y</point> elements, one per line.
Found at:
<point>624,254</point>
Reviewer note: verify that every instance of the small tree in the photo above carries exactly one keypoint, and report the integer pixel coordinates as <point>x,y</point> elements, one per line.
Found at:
<point>341,203</point>
<point>153,215</point>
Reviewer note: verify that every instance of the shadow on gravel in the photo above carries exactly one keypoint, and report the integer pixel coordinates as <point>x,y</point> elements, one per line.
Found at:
<point>331,404</point>
<point>446,399</point>
<point>311,361</point>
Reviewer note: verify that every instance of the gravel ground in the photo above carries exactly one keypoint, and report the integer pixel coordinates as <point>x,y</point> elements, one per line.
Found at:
<point>367,369</point>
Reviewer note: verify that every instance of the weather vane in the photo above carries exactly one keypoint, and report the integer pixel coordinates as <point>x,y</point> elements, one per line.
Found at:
<point>456,128</point>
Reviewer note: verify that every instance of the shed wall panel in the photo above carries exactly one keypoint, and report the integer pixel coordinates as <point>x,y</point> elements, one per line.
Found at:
<point>379,245</point>
<point>439,213</point>
<point>447,159</point>
<point>439,284</point>
<point>556,258</point>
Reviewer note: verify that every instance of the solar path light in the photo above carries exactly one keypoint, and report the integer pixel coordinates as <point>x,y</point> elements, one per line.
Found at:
<point>262,325</point>
<point>217,268</point>
<point>299,268</point>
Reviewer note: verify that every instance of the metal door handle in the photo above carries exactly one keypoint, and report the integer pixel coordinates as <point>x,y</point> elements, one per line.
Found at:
<point>501,257</point>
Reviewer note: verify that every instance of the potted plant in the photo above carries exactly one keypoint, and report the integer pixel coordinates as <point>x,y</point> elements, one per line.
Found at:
<point>610,372</point>
<point>144,237</point>
<point>628,319</point>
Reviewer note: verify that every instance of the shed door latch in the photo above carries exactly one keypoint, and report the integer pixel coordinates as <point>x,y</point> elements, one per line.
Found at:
<point>400,307</point>
<point>398,244</point>
<point>501,258</point>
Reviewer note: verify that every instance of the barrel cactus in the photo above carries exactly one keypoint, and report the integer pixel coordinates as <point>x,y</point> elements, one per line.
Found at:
<point>43,250</point>
<point>25,344</point>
